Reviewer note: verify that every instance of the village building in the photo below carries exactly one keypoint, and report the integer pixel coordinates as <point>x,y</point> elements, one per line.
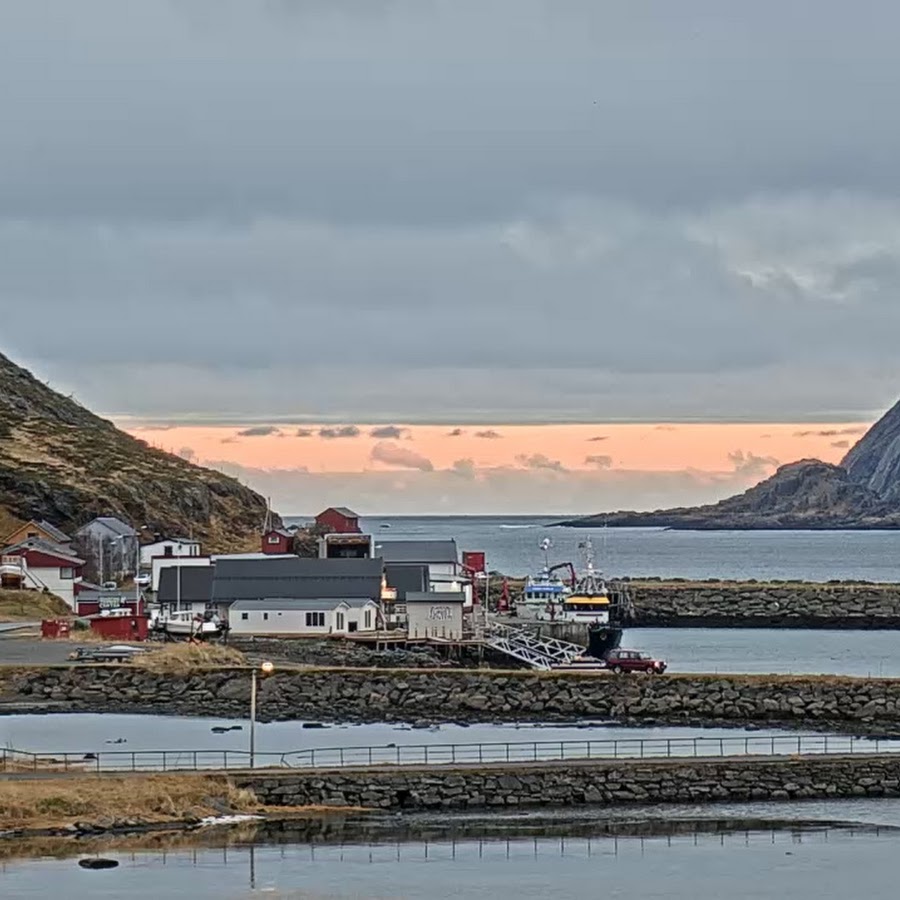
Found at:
<point>339,519</point>
<point>439,559</point>
<point>294,578</point>
<point>277,541</point>
<point>109,547</point>
<point>38,529</point>
<point>40,565</point>
<point>309,617</point>
<point>168,548</point>
<point>435,615</point>
<point>160,563</point>
<point>185,588</point>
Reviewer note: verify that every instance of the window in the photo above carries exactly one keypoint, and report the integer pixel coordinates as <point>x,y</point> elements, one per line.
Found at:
<point>274,539</point>
<point>245,616</point>
<point>339,621</point>
<point>368,618</point>
<point>265,617</point>
<point>167,550</point>
<point>315,620</point>
<point>66,572</point>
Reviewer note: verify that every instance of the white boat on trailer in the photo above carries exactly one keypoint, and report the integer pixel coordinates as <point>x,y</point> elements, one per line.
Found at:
<point>188,624</point>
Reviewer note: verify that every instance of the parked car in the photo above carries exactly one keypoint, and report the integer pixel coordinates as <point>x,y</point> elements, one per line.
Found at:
<point>633,661</point>
<point>142,581</point>
<point>113,653</point>
<point>108,586</point>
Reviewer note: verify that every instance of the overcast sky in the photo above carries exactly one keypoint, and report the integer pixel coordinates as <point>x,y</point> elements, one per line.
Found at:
<point>453,211</point>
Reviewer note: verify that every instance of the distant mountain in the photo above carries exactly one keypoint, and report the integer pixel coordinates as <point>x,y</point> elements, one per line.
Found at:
<point>862,492</point>
<point>60,462</point>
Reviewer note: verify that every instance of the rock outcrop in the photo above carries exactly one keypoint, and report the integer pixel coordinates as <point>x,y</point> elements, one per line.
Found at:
<point>60,462</point>
<point>862,492</point>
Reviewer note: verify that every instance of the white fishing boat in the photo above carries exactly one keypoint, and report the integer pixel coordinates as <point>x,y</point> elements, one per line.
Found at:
<point>186,623</point>
<point>544,591</point>
<point>588,602</point>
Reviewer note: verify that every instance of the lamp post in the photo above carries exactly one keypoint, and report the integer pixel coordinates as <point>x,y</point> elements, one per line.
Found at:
<point>265,668</point>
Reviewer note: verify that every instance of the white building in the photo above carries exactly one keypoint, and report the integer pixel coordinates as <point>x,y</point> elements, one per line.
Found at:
<point>435,614</point>
<point>439,558</point>
<point>168,548</point>
<point>39,565</point>
<point>306,618</point>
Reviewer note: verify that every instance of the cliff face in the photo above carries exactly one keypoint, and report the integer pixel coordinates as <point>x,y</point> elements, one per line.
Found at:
<point>875,460</point>
<point>60,462</point>
<point>862,492</point>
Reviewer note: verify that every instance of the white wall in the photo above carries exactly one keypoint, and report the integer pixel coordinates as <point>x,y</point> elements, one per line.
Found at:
<point>290,621</point>
<point>435,619</point>
<point>49,577</point>
<point>148,551</point>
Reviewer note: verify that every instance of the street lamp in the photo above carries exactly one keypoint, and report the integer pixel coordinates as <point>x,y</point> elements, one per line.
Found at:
<point>265,668</point>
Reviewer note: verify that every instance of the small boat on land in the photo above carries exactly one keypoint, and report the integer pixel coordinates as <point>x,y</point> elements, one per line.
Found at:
<point>189,624</point>
<point>584,664</point>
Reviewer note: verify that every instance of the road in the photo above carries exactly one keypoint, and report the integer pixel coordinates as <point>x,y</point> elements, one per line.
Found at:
<point>33,651</point>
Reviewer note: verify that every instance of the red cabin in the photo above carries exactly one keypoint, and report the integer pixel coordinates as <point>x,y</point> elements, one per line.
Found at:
<point>277,540</point>
<point>339,520</point>
<point>121,628</point>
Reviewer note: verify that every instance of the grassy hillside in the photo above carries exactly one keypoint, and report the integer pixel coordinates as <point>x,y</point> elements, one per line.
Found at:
<point>61,462</point>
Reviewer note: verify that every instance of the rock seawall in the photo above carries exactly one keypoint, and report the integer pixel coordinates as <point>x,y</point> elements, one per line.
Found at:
<point>729,604</point>
<point>848,704</point>
<point>601,783</point>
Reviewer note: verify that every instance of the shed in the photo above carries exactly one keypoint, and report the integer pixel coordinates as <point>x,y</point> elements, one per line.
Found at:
<point>339,519</point>
<point>435,615</point>
<point>277,541</point>
<point>311,617</point>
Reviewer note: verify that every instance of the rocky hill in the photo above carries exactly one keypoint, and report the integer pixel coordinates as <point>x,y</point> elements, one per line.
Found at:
<point>60,462</point>
<point>862,492</point>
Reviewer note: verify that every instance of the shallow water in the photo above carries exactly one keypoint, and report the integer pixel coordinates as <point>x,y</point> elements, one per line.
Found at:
<point>741,861</point>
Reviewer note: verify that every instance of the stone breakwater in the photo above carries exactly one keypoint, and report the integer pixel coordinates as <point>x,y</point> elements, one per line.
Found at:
<point>755,605</point>
<point>804,702</point>
<point>581,783</point>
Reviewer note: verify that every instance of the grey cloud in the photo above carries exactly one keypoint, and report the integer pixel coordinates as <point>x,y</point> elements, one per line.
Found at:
<point>398,159</point>
<point>488,435</point>
<point>304,432</point>
<point>342,431</point>
<point>748,464</point>
<point>831,432</point>
<point>259,431</point>
<point>598,437</point>
<point>599,461</point>
<point>840,445</point>
<point>465,468</point>
<point>456,432</point>
<point>539,461</point>
<point>388,431</point>
<point>394,455</point>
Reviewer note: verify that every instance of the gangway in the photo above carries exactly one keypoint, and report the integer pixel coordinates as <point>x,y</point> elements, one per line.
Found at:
<point>524,645</point>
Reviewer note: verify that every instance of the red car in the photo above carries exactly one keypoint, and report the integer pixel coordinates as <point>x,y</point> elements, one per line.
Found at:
<point>633,661</point>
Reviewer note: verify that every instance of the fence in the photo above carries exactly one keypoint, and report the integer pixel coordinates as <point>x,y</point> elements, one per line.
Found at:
<point>20,761</point>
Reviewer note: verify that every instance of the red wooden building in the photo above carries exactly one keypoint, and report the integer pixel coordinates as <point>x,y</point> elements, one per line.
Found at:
<point>339,520</point>
<point>277,540</point>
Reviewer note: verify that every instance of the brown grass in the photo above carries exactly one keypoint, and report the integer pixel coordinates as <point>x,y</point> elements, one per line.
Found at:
<point>185,658</point>
<point>29,606</point>
<point>52,803</point>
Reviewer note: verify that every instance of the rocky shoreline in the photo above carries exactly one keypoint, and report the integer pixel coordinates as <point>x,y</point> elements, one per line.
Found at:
<point>839,704</point>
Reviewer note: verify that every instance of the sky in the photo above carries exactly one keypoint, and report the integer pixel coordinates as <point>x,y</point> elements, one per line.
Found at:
<point>673,225</point>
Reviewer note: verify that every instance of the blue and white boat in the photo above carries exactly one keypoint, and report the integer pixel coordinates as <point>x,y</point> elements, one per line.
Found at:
<point>544,593</point>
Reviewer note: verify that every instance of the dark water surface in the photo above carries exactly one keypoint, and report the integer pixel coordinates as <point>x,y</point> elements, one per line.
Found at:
<point>511,544</point>
<point>667,857</point>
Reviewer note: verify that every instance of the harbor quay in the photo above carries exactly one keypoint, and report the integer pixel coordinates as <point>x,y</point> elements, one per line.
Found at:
<point>844,704</point>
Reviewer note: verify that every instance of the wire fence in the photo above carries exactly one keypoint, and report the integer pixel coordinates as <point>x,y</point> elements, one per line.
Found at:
<point>522,752</point>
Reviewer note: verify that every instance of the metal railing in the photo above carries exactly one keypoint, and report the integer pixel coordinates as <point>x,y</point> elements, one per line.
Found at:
<point>523,752</point>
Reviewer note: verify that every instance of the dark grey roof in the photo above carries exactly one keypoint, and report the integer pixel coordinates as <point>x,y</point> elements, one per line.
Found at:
<point>344,511</point>
<point>296,578</point>
<point>314,603</point>
<point>196,584</point>
<point>406,578</point>
<point>417,551</point>
<point>59,536</point>
<point>435,597</point>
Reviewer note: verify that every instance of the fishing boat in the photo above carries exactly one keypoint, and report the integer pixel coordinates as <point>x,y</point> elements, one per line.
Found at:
<point>188,624</point>
<point>588,602</point>
<point>544,591</point>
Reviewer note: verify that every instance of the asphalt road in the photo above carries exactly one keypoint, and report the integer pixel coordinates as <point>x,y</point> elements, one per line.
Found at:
<point>32,651</point>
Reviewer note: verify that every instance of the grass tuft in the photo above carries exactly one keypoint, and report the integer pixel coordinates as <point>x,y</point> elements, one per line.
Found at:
<point>186,658</point>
